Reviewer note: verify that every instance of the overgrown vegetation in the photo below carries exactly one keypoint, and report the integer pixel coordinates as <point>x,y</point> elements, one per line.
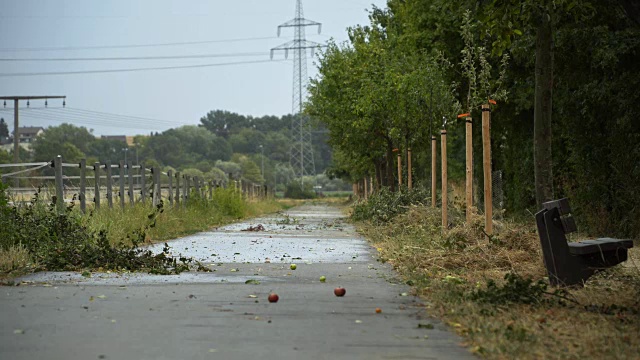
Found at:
<point>494,292</point>
<point>385,205</point>
<point>295,190</point>
<point>390,85</point>
<point>37,237</point>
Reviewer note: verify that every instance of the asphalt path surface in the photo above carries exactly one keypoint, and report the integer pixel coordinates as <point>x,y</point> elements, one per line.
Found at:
<point>225,314</point>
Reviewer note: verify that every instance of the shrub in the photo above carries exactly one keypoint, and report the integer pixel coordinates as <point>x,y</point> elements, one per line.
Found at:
<point>295,191</point>
<point>384,205</point>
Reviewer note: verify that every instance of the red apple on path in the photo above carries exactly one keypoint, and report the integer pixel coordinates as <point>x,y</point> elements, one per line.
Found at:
<point>339,291</point>
<point>273,298</point>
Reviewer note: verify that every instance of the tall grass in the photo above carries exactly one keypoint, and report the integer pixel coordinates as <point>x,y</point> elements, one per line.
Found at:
<point>494,291</point>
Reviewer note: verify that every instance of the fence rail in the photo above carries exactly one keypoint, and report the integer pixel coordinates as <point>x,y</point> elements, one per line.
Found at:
<point>118,182</point>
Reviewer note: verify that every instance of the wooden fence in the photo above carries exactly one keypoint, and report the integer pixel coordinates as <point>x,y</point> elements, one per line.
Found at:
<point>124,183</point>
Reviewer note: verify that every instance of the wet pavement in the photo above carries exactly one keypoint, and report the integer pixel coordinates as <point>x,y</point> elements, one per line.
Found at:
<point>224,314</point>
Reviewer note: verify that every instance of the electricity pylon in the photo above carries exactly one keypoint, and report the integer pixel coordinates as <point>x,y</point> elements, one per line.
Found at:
<point>301,153</point>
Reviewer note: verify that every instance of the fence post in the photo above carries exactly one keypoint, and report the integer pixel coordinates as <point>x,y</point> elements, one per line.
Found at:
<point>156,186</point>
<point>196,184</point>
<point>486,164</point>
<point>170,176</point>
<point>210,190</point>
<point>132,194</point>
<point>178,188</point>
<point>121,181</point>
<point>445,221</point>
<point>185,189</point>
<point>109,185</point>
<point>57,165</point>
<point>83,185</point>
<point>96,186</point>
<point>187,192</point>
<point>143,183</point>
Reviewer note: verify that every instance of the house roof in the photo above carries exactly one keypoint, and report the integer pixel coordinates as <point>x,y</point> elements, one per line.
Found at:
<point>30,130</point>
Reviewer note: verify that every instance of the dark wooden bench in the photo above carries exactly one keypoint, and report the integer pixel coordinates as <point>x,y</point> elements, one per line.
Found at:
<point>572,263</point>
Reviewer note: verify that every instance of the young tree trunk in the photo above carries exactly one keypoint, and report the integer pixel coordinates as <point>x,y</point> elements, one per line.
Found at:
<point>378,166</point>
<point>390,162</point>
<point>543,111</point>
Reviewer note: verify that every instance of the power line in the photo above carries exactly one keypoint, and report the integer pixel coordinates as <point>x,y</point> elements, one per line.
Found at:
<point>200,56</point>
<point>134,69</point>
<point>147,126</point>
<point>137,45</point>
<point>97,118</point>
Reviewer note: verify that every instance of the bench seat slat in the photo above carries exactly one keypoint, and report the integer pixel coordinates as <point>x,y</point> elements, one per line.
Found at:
<point>599,245</point>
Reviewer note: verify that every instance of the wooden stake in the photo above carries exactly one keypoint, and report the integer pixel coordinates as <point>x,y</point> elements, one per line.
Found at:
<point>170,178</point>
<point>177,188</point>
<point>96,186</point>
<point>57,166</point>
<point>121,182</point>
<point>409,177</point>
<point>154,188</point>
<point>434,154</point>
<point>143,183</point>
<point>109,185</point>
<point>486,162</point>
<point>443,137</point>
<point>83,185</point>
<point>469,169</point>
<point>399,171</point>
<point>132,194</point>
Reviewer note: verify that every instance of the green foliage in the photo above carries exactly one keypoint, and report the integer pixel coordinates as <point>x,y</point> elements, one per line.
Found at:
<point>228,202</point>
<point>249,169</point>
<point>59,242</point>
<point>363,96</point>
<point>517,290</point>
<point>295,190</point>
<point>4,129</point>
<point>384,205</point>
<point>65,139</point>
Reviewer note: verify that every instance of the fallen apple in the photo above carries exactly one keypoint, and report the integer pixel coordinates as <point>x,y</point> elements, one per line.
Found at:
<point>378,310</point>
<point>323,278</point>
<point>273,298</point>
<point>339,291</point>
<point>293,266</point>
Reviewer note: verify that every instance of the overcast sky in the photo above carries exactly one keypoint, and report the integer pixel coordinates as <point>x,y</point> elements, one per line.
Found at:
<point>29,29</point>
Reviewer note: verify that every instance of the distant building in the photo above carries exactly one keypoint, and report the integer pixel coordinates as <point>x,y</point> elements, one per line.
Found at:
<point>29,133</point>
<point>129,140</point>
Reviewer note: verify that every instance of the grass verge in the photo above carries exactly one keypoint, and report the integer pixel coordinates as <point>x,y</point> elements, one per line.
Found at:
<point>461,276</point>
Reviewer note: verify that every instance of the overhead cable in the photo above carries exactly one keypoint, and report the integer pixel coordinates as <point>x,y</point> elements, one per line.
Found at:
<point>135,69</point>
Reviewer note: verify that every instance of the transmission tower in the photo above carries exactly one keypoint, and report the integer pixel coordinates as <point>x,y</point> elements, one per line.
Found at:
<point>301,153</point>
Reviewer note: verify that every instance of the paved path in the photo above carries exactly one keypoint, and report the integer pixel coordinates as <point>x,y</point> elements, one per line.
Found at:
<point>217,316</point>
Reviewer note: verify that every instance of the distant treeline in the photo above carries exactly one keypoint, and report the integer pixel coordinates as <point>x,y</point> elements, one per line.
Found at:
<point>223,144</point>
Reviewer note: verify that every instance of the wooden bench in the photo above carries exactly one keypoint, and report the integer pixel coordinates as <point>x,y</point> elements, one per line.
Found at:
<point>572,263</point>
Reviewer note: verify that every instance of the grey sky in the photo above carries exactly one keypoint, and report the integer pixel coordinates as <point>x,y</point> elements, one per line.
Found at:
<point>175,97</point>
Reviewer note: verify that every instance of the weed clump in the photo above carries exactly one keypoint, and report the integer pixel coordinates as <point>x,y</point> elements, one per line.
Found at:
<point>517,290</point>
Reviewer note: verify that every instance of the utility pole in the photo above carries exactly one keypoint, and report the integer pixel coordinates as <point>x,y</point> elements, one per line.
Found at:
<point>301,153</point>
<point>16,118</point>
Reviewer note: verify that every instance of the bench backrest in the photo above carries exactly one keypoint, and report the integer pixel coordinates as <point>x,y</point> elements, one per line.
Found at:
<point>564,211</point>
<point>553,223</point>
